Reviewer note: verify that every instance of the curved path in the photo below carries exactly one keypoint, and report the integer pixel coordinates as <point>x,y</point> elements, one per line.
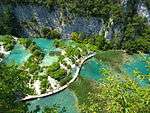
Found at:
<point>78,68</point>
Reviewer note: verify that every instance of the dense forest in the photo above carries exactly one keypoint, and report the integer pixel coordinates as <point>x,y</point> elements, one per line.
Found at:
<point>133,33</point>
<point>133,36</point>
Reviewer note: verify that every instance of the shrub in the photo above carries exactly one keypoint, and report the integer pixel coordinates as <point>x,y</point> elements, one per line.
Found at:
<point>65,80</point>
<point>1,55</point>
<point>54,34</point>
<point>117,94</point>
<point>47,32</point>
<point>75,36</point>
<point>59,74</point>
<point>53,67</point>
<point>44,85</point>
<point>141,44</point>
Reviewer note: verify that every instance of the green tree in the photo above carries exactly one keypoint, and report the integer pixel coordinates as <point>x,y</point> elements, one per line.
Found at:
<point>141,44</point>
<point>52,33</point>
<point>117,94</point>
<point>8,23</point>
<point>13,86</point>
<point>135,28</point>
<point>54,109</point>
<point>75,36</point>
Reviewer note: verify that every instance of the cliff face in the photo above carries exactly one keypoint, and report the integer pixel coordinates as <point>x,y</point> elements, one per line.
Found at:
<point>33,18</point>
<point>38,17</point>
<point>143,11</point>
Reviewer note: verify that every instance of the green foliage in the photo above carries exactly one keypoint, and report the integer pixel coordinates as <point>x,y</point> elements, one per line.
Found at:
<point>8,23</point>
<point>59,43</point>
<point>25,42</point>
<point>118,94</point>
<point>54,109</point>
<point>100,42</point>
<point>33,47</point>
<point>75,36</point>
<point>141,44</point>
<point>136,34</point>
<point>53,67</point>
<point>33,68</point>
<point>135,27</point>
<point>147,2</point>
<point>59,74</point>
<point>56,72</point>
<point>8,42</point>
<point>47,3</point>
<point>96,8</point>
<point>44,85</point>
<point>115,42</point>
<point>112,58</point>
<point>54,34</point>
<point>45,31</point>
<point>13,85</point>
<point>51,110</point>
<point>32,64</point>
<point>65,80</point>
<point>1,55</point>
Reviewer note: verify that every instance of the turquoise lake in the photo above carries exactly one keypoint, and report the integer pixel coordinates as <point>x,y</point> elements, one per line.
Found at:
<point>45,44</point>
<point>91,69</point>
<point>139,64</point>
<point>65,99</point>
<point>18,55</point>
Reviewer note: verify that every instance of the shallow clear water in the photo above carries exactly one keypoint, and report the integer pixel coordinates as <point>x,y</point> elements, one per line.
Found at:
<point>45,44</point>
<point>138,63</point>
<point>91,69</point>
<point>66,99</point>
<point>18,55</point>
<point>49,60</point>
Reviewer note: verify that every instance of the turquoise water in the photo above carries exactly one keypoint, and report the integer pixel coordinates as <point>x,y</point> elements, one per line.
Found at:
<point>138,63</point>
<point>18,55</point>
<point>65,99</point>
<point>91,69</point>
<point>45,44</point>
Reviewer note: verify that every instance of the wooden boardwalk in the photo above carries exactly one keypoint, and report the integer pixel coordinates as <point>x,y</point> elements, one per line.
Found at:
<point>78,68</point>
